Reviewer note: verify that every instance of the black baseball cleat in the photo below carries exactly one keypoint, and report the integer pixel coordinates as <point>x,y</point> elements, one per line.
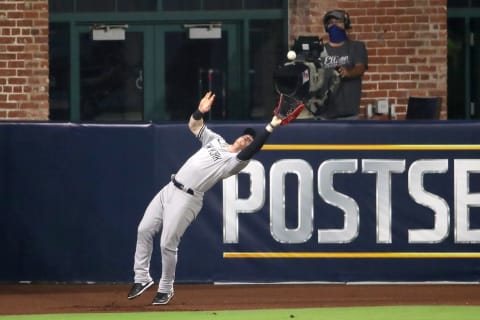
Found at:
<point>162,298</point>
<point>138,289</point>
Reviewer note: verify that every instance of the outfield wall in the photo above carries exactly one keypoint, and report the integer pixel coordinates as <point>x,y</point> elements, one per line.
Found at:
<point>324,201</point>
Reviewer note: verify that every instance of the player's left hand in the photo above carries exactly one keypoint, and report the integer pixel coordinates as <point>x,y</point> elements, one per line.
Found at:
<point>206,103</point>
<point>276,121</point>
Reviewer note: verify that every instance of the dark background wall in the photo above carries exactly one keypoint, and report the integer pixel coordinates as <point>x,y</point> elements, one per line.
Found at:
<point>71,196</point>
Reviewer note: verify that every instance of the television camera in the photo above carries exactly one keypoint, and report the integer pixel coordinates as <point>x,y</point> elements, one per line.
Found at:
<point>303,77</point>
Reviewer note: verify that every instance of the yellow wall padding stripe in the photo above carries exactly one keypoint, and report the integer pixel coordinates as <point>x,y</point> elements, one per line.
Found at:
<point>353,255</point>
<point>346,147</point>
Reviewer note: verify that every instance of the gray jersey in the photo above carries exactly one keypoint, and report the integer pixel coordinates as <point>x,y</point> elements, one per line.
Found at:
<point>210,164</point>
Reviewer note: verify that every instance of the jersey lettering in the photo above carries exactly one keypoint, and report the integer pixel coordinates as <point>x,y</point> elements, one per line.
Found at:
<point>213,152</point>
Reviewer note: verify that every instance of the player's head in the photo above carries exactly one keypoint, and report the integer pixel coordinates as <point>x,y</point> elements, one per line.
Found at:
<point>245,139</point>
<point>251,132</point>
<point>336,17</point>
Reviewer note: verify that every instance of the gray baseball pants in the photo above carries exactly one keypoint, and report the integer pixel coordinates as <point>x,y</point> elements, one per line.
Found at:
<point>170,212</point>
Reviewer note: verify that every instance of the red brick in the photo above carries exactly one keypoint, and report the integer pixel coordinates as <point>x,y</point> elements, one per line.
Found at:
<point>17,97</point>
<point>387,85</point>
<point>15,14</point>
<point>396,60</point>
<point>12,80</point>
<point>7,6</point>
<point>16,114</point>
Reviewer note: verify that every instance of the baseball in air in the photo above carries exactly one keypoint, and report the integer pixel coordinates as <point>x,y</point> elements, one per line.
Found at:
<point>291,55</point>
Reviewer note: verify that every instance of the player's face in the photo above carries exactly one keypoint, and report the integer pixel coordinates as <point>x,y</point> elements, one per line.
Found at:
<point>243,141</point>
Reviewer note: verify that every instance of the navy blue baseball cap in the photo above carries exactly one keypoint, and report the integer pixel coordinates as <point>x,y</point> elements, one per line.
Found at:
<point>250,131</point>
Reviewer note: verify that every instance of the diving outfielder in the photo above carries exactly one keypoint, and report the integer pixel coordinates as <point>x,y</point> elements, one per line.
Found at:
<point>178,203</point>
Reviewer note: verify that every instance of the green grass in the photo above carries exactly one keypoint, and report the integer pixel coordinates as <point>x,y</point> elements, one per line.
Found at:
<point>347,313</point>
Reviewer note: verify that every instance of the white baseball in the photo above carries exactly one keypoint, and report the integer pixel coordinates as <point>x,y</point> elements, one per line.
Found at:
<point>291,55</point>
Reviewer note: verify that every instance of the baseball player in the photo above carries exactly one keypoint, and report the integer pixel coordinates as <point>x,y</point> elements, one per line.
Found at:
<point>178,203</point>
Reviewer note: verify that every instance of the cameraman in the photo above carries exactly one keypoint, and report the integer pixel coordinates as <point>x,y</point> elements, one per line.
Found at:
<point>349,58</point>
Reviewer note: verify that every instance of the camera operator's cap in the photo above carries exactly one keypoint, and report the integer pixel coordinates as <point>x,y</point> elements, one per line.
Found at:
<point>250,131</point>
<point>339,15</point>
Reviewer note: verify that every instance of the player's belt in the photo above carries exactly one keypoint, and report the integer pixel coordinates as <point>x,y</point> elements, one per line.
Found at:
<point>181,186</point>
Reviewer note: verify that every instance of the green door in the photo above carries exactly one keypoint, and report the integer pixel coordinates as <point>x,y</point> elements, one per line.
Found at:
<point>191,60</point>
<point>159,71</point>
<point>109,75</point>
<point>475,70</point>
<point>156,72</point>
<point>464,68</point>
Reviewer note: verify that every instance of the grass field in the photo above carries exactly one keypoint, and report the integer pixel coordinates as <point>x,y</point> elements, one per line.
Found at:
<point>345,313</point>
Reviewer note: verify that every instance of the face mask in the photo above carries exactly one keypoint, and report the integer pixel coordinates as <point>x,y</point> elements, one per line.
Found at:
<point>336,34</point>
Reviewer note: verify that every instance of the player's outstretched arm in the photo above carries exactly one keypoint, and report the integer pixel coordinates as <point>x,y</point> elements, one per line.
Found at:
<point>276,121</point>
<point>259,140</point>
<point>196,119</point>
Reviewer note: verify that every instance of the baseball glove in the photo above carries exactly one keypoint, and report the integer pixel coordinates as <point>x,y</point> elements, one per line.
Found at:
<point>288,109</point>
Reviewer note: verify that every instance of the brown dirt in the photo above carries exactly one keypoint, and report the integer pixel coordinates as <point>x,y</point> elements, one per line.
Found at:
<point>69,298</point>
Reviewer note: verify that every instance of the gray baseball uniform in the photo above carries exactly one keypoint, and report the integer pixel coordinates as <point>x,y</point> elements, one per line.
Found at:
<point>178,203</point>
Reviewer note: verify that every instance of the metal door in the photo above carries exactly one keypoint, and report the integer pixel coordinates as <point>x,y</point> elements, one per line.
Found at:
<point>110,73</point>
<point>464,68</point>
<point>191,63</point>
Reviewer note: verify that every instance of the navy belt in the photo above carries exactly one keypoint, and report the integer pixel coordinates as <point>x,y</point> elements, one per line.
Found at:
<point>182,187</point>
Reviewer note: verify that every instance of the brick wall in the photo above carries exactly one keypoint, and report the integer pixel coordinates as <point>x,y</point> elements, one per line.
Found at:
<point>24,59</point>
<point>406,42</point>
